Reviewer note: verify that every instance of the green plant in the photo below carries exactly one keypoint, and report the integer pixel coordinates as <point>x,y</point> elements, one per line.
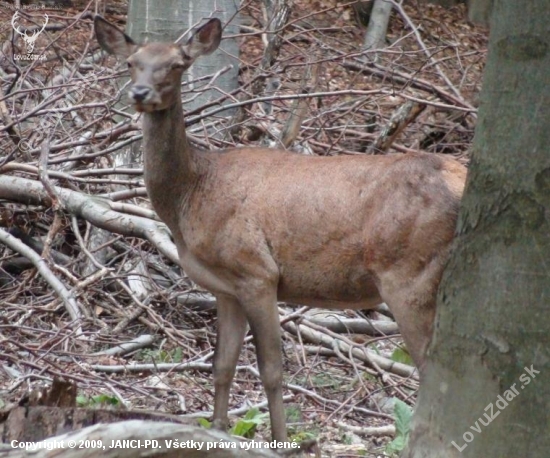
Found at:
<point>303,436</point>
<point>293,413</point>
<point>322,380</point>
<point>369,377</point>
<point>98,401</point>
<point>403,415</point>
<point>161,356</point>
<point>205,423</point>
<point>401,355</point>
<point>245,427</point>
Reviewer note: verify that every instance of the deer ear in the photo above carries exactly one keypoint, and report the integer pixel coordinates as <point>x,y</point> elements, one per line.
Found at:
<point>205,40</point>
<point>112,39</point>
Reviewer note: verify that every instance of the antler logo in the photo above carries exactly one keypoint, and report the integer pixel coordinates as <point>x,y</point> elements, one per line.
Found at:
<point>28,39</point>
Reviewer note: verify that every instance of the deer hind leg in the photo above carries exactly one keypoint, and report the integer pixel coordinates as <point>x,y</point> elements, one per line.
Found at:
<point>263,316</point>
<point>415,321</point>
<point>413,304</point>
<point>230,336</point>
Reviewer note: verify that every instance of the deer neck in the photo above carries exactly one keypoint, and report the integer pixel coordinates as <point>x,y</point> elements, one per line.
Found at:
<point>170,163</point>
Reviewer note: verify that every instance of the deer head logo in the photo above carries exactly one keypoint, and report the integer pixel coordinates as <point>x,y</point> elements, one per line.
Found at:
<point>28,39</point>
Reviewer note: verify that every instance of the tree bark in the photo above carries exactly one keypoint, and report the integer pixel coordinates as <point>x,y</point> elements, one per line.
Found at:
<point>375,38</point>
<point>492,336</point>
<point>479,11</point>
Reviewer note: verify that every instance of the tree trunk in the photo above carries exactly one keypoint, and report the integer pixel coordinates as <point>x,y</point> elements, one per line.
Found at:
<point>479,11</point>
<point>375,38</point>
<point>492,337</point>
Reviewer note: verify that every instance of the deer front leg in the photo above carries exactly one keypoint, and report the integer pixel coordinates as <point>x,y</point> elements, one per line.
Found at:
<point>229,341</point>
<point>263,316</point>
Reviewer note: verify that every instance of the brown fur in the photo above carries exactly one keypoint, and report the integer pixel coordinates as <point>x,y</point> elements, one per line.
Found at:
<point>257,225</point>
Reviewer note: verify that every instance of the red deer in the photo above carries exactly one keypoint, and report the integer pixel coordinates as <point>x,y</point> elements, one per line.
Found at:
<point>257,225</point>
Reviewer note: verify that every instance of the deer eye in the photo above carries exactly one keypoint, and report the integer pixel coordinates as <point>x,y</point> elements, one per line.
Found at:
<point>130,65</point>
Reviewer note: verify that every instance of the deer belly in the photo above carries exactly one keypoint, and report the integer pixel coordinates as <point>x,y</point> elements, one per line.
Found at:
<point>329,288</point>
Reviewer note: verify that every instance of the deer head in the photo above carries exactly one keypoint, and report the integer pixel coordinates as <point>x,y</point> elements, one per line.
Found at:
<point>156,68</point>
<point>28,39</point>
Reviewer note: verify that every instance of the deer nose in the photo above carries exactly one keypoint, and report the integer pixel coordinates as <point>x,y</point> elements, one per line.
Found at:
<point>139,93</point>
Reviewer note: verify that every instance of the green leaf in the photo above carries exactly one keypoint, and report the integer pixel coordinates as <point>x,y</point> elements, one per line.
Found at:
<point>400,355</point>
<point>303,436</point>
<point>403,415</point>
<point>163,356</point>
<point>252,413</point>
<point>97,401</point>
<point>177,357</point>
<point>82,401</point>
<point>205,423</point>
<point>105,399</point>
<point>246,427</point>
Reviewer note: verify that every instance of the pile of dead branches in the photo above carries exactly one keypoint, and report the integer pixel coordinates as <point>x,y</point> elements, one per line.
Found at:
<point>89,281</point>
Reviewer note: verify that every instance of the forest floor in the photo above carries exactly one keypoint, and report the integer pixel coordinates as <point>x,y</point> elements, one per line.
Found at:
<point>124,289</point>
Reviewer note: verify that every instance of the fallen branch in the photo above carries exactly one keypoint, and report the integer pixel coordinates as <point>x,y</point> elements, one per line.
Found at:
<point>127,347</point>
<point>299,108</point>
<point>362,354</point>
<point>371,431</point>
<point>355,325</point>
<point>277,21</point>
<point>155,439</point>
<point>95,210</point>
<point>156,367</point>
<point>429,53</point>
<point>64,294</point>
<point>402,117</point>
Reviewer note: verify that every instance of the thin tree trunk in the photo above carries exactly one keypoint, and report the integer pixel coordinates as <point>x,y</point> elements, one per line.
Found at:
<point>375,38</point>
<point>486,387</point>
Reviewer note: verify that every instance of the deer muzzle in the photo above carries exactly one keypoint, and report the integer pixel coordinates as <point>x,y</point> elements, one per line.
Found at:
<point>145,98</point>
